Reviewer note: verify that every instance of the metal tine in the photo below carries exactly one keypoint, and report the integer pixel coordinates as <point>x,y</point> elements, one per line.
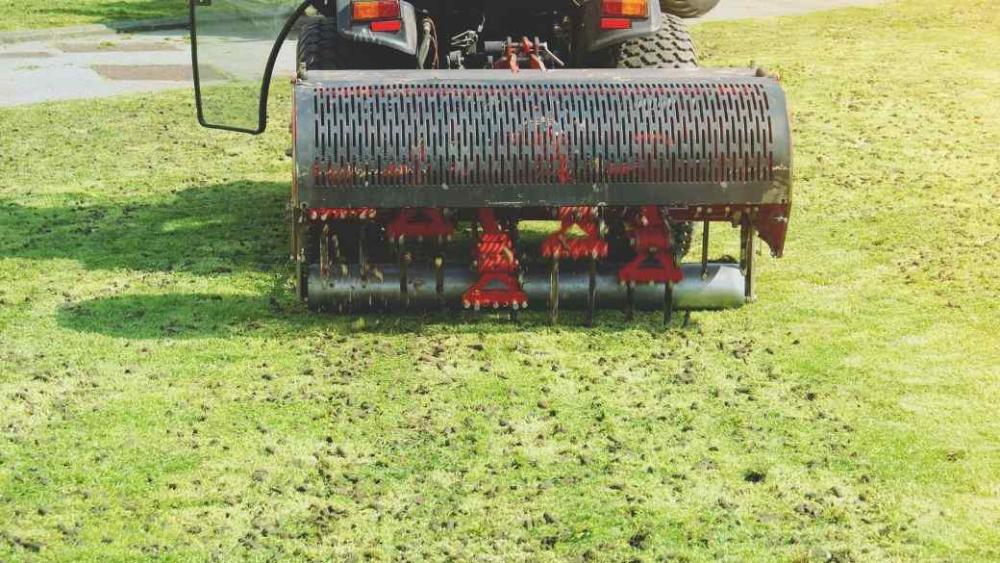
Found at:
<point>704,250</point>
<point>324,251</point>
<point>747,255</point>
<point>362,257</point>
<point>668,303</point>
<point>744,235</point>
<point>629,301</point>
<point>554,292</point>
<point>439,275</point>
<point>592,293</point>
<point>404,266</point>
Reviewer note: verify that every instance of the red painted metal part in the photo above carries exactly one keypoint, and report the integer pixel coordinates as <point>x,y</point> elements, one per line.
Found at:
<point>419,223</point>
<point>654,260</point>
<point>769,220</point>
<point>516,50</point>
<point>498,285</point>
<point>509,59</point>
<point>341,213</point>
<point>561,245</point>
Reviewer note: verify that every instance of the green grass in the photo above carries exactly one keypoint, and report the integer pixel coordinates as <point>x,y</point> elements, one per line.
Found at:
<point>32,14</point>
<point>163,395</point>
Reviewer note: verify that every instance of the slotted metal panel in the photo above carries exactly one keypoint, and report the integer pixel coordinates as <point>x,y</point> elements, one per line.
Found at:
<point>492,137</point>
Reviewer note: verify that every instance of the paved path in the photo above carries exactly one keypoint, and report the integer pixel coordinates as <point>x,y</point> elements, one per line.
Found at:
<point>742,9</point>
<point>106,65</point>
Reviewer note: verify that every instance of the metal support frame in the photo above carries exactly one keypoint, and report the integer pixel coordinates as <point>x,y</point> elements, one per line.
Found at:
<point>747,236</point>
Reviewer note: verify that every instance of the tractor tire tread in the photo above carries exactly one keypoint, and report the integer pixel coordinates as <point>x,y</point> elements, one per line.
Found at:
<point>321,47</point>
<point>688,8</point>
<point>670,47</point>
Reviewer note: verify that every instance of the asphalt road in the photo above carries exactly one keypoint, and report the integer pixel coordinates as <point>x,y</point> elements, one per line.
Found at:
<point>110,64</point>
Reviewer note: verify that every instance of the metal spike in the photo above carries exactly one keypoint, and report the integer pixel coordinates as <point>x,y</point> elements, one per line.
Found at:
<point>704,250</point>
<point>362,253</point>
<point>592,294</point>
<point>668,302</point>
<point>324,252</point>
<point>404,267</point>
<point>439,279</point>
<point>748,261</point>
<point>554,292</point>
<point>629,302</point>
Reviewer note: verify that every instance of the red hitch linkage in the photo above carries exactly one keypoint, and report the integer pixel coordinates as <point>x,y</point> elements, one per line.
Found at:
<point>654,258</point>
<point>498,285</point>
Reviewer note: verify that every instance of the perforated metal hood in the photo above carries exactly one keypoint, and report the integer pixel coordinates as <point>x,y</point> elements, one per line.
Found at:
<point>574,137</point>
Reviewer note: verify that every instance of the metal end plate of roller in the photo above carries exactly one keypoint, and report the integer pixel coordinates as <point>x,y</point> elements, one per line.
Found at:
<point>644,149</point>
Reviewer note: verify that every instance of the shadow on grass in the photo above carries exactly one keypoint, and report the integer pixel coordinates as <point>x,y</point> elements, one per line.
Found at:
<point>165,315</point>
<point>222,230</point>
<point>226,228</point>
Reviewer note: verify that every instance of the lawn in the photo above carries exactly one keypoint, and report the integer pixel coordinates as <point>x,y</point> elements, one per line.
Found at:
<point>31,14</point>
<point>163,395</point>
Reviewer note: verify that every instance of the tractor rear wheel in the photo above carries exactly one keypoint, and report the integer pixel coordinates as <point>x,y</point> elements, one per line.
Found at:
<point>670,47</point>
<point>688,8</point>
<point>322,48</point>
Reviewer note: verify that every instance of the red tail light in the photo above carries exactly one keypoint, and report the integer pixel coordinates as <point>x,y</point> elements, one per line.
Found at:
<point>386,26</point>
<point>635,9</point>
<point>384,15</point>
<point>618,14</point>
<point>616,23</point>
